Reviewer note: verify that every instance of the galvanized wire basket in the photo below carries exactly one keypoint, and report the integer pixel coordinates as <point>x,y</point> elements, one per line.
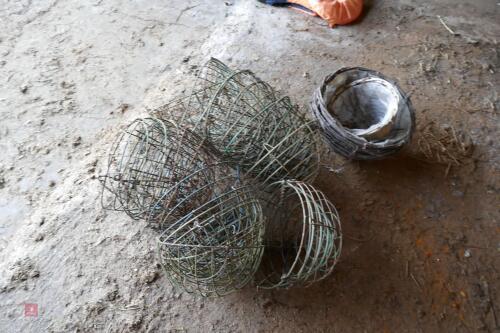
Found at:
<point>363,115</point>
<point>216,248</point>
<point>146,162</point>
<point>303,239</point>
<point>250,124</point>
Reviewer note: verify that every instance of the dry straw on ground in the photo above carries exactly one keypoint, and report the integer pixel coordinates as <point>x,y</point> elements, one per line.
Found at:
<point>444,144</point>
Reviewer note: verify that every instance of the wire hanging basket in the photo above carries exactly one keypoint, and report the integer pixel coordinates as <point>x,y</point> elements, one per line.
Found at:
<point>303,239</point>
<point>148,158</point>
<point>216,248</point>
<point>250,124</point>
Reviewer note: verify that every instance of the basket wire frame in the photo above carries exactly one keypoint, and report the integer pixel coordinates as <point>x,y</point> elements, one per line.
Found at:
<point>303,239</point>
<point>250,124</point>
<point>216,248</point>
<point>146,161</point>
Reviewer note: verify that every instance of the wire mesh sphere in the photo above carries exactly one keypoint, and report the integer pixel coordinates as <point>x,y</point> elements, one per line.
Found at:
<point>303,240</point>
<point>246,120</point>
<point>217,247</point>
<point>363,115</point>
<point>148,158</point>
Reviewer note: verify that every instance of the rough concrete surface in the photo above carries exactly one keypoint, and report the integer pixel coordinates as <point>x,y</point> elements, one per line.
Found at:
<point>422,244</point>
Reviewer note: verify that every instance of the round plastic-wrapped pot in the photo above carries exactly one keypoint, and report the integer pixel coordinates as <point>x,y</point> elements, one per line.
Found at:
<point>363,115</point>
<point>303,236</point>
<point>216,248</point>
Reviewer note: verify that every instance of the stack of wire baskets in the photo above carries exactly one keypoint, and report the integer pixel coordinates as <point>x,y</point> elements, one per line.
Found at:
<point>223,175</point>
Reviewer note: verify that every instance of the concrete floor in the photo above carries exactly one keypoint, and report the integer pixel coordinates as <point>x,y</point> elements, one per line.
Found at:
<point>72,72</point>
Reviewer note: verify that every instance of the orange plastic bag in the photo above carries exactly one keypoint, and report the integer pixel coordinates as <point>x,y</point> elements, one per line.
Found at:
<point>334,11</point>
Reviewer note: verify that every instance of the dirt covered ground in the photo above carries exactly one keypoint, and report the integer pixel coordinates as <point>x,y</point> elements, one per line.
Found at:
<point>422,243</point>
